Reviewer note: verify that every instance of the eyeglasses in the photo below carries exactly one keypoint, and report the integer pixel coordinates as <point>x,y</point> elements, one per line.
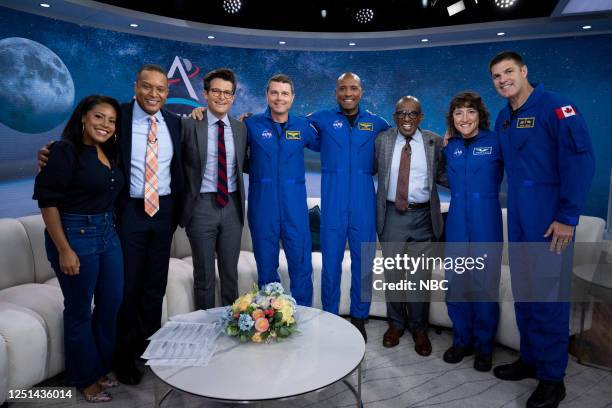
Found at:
<point>218,92</point>
<point>407,114</point>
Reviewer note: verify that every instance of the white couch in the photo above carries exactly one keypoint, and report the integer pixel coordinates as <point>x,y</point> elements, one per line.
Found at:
<point>31,303</point>
<point>180,283</point>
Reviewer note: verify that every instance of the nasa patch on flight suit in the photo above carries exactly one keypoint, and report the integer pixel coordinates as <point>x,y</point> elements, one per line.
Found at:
<point>482,150</point>
<point>525,123</point>
<point>366,126</point>
<point>292,135</point>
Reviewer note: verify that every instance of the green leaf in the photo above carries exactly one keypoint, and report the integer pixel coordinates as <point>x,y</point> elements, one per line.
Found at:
<point>232,330</point>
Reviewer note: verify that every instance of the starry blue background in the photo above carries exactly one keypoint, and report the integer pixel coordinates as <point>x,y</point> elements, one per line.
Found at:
<point>102,61</point>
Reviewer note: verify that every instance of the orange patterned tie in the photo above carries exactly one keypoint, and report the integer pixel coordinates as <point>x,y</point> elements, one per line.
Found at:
<point>151,194</point>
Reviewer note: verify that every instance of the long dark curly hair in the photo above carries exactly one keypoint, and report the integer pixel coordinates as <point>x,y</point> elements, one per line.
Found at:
<point>73,132</point>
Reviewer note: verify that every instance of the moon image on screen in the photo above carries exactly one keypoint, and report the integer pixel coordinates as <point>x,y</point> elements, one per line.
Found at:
<point>36,89</point>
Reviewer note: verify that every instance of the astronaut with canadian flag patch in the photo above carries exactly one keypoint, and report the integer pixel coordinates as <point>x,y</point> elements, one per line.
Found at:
<point>549,162</point>
<point>565,111</point>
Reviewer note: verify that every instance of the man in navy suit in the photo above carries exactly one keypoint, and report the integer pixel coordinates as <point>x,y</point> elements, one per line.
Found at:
<point>146,238</point>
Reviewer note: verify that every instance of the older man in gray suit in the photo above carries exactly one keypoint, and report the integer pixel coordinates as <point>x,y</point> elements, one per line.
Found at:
<point>214,152</point>
<point>409,165</point>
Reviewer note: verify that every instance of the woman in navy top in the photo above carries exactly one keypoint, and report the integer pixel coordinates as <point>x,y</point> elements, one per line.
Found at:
<point>473,229</point>
<point>76,192</point>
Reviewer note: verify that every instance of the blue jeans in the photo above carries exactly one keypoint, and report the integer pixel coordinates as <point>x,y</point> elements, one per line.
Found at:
<point>89,338</point>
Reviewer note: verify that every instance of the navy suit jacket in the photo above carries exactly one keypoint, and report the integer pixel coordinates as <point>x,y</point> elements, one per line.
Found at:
<point>173,122</point>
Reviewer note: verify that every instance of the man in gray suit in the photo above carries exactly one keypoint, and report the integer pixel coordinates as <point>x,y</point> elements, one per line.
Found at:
<point>409,163</point>
<point>214,151</point>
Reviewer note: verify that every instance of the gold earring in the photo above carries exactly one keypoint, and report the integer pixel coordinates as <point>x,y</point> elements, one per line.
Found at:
<point>83,131</point>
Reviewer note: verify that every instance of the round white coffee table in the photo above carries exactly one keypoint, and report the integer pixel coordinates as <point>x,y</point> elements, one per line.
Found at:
<point>325,350</point>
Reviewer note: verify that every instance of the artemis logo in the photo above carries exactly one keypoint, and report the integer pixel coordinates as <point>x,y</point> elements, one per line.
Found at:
<point>186,71</point>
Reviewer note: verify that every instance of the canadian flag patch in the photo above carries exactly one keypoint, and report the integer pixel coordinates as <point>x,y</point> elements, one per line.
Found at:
<point>565,111</point>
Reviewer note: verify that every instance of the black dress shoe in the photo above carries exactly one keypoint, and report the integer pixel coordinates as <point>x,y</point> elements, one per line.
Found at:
<point>548,394</point>
<point>127,373</point>
<point>515,371</point>
<point>483,361</point>
<point>360,325</point>
<point>455,354</point>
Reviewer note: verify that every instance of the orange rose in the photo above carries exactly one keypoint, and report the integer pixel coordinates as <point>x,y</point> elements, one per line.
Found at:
<point>257,313</point>
<point>262,324</point>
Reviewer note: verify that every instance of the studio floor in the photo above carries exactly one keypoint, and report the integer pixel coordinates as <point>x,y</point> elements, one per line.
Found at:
<point>396,377</point>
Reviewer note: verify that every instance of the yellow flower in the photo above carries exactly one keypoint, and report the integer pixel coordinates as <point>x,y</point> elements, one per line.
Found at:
<point>287,312</point>
<point>241,304</point>
<point>256,338</point>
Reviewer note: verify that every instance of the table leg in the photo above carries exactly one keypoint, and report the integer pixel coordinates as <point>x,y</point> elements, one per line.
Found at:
<point>359,403</point>
<point>351,387</point>
<point>158,391</point>
<point>582,318</point>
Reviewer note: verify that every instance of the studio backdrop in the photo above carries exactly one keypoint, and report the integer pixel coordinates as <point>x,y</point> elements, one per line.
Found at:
<point>47,66</point>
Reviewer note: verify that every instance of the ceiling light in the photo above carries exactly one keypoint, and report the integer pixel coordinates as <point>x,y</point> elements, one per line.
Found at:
<point>501,33</point>
<point>323,13</point>
<point>134,25</point>
<point>364,15</point>
<point>424,39</point>
<point>424,3</point>
<point>282,42</point>
<point>232,6</point>
<point>504,3</point>
<point>45,5</point>
<point>211,37</point>
<point>352,44</point>
<point>586,27</point>
<point>455,8</point>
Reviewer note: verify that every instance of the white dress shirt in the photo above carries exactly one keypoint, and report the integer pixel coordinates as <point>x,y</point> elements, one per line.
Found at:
<point>418,185</point>
<point>209,178</point>
<point>140,134</point>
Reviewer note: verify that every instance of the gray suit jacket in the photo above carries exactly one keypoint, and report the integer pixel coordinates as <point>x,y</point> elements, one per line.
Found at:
<point>436,171</point>
<point>195,149</point>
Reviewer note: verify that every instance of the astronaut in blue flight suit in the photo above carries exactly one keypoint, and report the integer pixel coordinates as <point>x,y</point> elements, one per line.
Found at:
<point>550,164</point>
<point>474,168</point>
<point>277,207</point>
<point>348,202</point>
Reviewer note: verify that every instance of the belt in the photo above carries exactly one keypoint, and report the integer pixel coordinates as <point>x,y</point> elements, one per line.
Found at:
<point>412,206</point>
<point>164,197</point>
<point>232,194</point>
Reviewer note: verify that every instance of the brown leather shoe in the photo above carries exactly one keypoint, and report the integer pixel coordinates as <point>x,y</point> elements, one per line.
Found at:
<point>392,336</point>
<point>422,344</point>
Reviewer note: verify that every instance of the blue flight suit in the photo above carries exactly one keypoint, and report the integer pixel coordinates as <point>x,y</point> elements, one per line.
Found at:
<point>348,203</point>
<point>550,164</point>
<point>277,199</point>
<point>474,173</point>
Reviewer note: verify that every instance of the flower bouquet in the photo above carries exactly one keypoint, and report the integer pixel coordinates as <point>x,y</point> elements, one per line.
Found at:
<point>261,315</point>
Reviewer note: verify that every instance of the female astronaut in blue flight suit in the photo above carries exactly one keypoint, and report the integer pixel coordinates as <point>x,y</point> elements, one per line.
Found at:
<point>474,168</point>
